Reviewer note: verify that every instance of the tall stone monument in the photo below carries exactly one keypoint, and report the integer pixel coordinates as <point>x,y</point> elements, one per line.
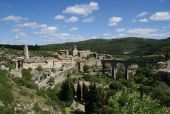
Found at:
<point>75,51</point>
<point>26,52</point>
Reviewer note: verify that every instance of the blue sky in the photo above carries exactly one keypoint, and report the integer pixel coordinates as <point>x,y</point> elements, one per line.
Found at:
<point>58,21</point>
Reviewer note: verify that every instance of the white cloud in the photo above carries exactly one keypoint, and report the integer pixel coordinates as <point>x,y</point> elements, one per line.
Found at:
<point>59,17</point>
<point>143,33</point>
<point>107,34</point>
<point>43,25</point>
<point>161,16</point>
<point>73,29</point>
<point>134,20</point>
<point>63,34</point>
<point>13,18</point>
<point>120,30</point>
<point>57,37</point>
<point>166,26</point>
<point>15,30</point>
<point>142,14</point>
<point>82,9</point>
<point>30,25</point>
<point>49,34</point>
<point>144,20</point>
<point>137,32</point>
<point>19,33</point>
<point>113,21</point>
<point>72,19</point>
<point>142,30</point>
<point>49,29</point>
<point>88,20</point>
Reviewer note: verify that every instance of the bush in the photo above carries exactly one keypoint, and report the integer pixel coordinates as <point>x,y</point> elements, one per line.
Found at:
<point>5,95</point>
<point>36,108</point>
<point>26,74</point>
<point>39,68</point>
<point>102,79</point>
<point>26,79</point>
<point>106,110</point>
<point>41,92</point>
<point>5,89</point>
<point>114,85</point>
<point>162,95</point>
<point>51,81</point>
<point>126,102</point>
<point>23,82</point>
<point>6,110</point>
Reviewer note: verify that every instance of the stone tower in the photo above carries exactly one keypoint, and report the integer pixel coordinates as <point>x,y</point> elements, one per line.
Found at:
<point>26,53</point>
<point>75,51</point>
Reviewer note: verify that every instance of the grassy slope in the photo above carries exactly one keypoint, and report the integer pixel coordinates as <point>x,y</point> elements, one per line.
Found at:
<point>28,98</point>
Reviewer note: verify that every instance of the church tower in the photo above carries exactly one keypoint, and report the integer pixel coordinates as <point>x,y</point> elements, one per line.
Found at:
<point>75,51</point>
<point>26,53</point>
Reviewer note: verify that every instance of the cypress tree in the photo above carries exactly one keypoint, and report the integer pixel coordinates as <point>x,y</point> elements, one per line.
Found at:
<point>66,93</point>
<point>79,95</point>
<point>141,91</point>
<point>91,100</point>
<point>84,91</point>
<point>73,89</point>
<point>62,91</point>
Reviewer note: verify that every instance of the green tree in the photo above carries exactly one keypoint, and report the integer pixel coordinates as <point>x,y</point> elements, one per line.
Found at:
<point>128,102</point>
<point>85,68</point>
<point>167,56</point>
<point>163,95</point>
<point>79,92</point>
<point>66,93</point>
<point>84,91</point>
<point>93,100</point>
<point>106,110</point>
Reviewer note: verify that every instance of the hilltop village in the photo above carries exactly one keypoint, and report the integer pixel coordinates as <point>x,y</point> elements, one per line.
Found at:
<point>61,62</point>
<point>64,61</point>
<point>69,78</point>
<point>63,58</point>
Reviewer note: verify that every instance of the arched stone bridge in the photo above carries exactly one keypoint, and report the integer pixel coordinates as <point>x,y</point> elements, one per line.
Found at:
<point>125,63</point>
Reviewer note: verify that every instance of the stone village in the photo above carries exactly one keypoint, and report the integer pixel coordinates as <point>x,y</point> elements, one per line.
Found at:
<point>65,61</point>
<point>61,62</point>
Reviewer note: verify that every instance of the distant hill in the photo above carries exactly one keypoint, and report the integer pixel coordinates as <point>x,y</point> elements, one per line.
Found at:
<point>130,45</point>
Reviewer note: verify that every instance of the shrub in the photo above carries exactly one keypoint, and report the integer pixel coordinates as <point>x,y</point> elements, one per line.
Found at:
<point>6,110</point>
<point>5,89</point>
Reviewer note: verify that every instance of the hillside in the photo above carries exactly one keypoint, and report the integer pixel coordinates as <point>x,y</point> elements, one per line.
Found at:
<point>21,96</point>
<point>136,46</point>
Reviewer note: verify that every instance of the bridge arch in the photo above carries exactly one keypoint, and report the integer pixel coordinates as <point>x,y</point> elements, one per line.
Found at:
<point>116,67</point>
<point>126,64</point>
